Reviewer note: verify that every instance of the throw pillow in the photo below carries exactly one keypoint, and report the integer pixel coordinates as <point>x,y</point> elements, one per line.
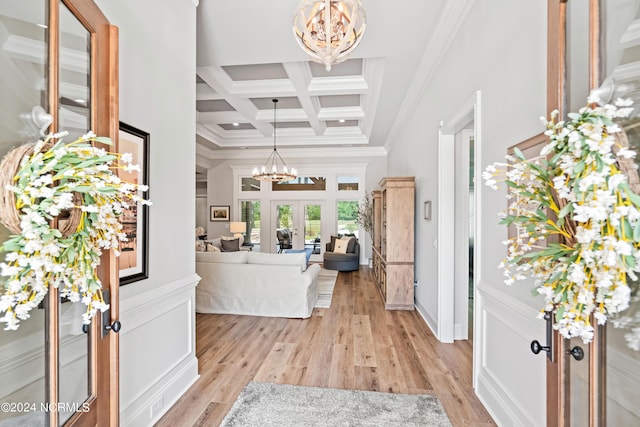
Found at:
<point>213,248</point>
<point>200,246</point>
<point>239,236</point>
<point>230,245</point>
<point>340,246</point>
<point>332,244</point>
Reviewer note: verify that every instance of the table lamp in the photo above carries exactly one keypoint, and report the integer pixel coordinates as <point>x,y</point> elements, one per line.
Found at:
<point>237,228</point>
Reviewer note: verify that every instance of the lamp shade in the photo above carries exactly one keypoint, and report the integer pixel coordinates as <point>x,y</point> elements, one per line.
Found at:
<point>238,227</point>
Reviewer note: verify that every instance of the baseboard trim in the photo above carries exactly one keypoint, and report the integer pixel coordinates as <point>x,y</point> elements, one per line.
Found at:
<point>431,323</point>
<point>140,412</point>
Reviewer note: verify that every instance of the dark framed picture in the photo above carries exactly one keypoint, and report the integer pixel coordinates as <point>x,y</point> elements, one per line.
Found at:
<point>219,213</point>
<point>531,149</point>
<point>134,253</point>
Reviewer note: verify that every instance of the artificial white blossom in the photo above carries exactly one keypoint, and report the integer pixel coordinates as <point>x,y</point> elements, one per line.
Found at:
<point>45,185</point>
<point>576,193</point>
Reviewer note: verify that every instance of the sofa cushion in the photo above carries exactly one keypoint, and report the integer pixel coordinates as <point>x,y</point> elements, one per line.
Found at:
<point>299,259</point>
<point>239,257</point>
<point>213,242</point>
<point>230,245</point>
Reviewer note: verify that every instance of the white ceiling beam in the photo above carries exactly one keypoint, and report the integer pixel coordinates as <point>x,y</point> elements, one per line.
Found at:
<point>220,81</point>
<point>337,113</point>
<point>301,78</point>
<point>373,71</point>
<point>339,85</point>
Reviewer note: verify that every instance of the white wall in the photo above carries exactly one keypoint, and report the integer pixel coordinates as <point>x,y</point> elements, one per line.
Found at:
<point>157,94</point>
<point>501,51</point>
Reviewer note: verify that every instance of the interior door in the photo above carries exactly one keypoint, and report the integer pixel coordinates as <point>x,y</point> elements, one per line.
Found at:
<point>59,73</point>
<point>592,45</point>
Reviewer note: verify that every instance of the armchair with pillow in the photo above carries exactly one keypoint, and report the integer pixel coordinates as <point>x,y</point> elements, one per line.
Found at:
<point>342,254</point>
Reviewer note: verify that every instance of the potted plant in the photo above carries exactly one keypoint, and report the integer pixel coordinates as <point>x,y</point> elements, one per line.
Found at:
<point>364,217</point>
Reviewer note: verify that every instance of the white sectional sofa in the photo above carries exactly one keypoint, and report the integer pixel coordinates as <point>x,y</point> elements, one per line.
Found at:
<point>256,284</point>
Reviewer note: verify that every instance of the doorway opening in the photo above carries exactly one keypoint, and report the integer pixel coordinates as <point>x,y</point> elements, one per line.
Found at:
<point>458,236</point>
<point>464,232</point>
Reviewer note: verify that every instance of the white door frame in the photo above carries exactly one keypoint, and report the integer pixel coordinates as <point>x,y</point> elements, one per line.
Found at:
<point>469,111</point>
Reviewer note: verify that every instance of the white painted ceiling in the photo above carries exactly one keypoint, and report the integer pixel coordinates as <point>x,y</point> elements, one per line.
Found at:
<point>247,55</point>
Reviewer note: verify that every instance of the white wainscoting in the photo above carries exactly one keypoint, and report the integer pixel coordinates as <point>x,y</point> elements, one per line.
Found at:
<point>157,351</point>
<point>510,380</point>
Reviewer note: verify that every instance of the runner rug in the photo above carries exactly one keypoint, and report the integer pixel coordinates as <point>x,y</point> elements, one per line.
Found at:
<point>326,283</point>
<point>281,405</point>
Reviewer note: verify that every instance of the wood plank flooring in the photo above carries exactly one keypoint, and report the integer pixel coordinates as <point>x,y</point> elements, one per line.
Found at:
<point>355,344</point>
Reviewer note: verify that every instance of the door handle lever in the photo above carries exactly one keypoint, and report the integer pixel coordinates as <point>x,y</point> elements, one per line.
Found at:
<point>115,327</point>
<point>536,347</point>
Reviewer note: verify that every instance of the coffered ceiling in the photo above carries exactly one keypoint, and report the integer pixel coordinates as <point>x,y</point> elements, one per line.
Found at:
<point>247,55</point>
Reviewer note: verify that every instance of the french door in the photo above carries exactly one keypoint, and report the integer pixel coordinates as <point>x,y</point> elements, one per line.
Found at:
<point>59,68</point>
<point>592,45</point>
<point>297,225</point>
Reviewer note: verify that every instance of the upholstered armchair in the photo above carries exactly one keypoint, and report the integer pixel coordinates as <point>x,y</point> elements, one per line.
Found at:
<point>342,254</point>
<point>284,239</point>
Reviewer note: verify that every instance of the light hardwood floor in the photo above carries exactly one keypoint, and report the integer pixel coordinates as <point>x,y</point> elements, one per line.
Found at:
<point>355,344</point>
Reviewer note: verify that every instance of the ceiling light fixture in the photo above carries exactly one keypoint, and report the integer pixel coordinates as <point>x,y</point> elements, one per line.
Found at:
<point>271,171</point>
<point>328,30</point>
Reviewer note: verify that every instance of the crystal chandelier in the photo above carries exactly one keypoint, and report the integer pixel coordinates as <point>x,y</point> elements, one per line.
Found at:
<point>271,171</point>
<point>328,30</point>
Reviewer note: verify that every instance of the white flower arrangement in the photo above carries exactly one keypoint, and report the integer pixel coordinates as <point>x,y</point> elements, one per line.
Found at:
<point>577,193</point>
<point>41,256</point>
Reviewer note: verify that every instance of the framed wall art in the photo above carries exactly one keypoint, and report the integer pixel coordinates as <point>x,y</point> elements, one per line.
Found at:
<point>134,253</point>
<point>219,213</point>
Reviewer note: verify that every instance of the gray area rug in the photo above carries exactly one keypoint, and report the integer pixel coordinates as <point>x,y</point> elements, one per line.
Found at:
<point>326,283</point>
<point>266,404</point>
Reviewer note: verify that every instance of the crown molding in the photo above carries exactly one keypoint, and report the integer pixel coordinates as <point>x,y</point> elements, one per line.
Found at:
<point>291,153</point>
<point>450,21</point>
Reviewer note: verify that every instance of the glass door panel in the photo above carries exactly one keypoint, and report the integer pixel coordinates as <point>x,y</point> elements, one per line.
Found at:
<point>284,227</point>
<point>74,112</point>
<point>312,229</point>
<point>23,87</point>
<point>250,215</point>
<point>578,373</point>
<point>621,68</point>
<point>297,226</point>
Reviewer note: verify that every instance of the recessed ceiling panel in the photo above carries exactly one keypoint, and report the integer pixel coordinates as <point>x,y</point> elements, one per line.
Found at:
<point>213,105</point>
<point>331,101</point>
<point>241,126</point>
<point>255,72</point>
<point>290,125</point>
<point>350,67</point>
<point>267,103</point>
<point>337,123</point>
